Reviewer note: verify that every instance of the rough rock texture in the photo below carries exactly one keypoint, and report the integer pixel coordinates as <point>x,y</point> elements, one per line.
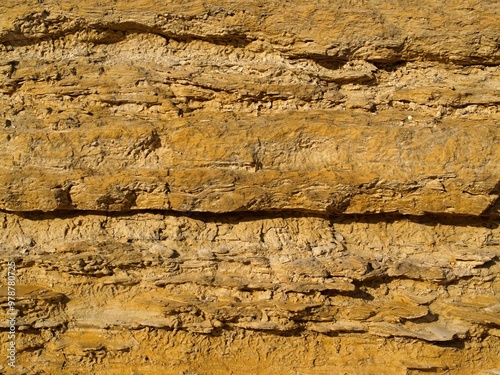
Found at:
<point>275,187</point>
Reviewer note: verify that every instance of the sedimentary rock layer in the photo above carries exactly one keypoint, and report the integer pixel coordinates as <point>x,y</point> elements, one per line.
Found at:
<point>326,162</point>
<point>103,291</point>
<point>275,187</point>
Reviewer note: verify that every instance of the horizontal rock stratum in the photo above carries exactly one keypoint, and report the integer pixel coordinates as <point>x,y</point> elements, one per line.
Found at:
<point>329,161</point>
<point>250,187</point>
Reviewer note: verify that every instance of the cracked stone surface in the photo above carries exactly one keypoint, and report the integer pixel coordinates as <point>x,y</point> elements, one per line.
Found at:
<point>276,187</point>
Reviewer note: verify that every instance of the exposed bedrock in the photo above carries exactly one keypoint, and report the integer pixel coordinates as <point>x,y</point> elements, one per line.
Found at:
<point>274,187</point>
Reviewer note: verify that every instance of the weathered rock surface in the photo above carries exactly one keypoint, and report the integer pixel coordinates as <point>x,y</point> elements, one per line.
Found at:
<point>274,187</point>
<point>329,162</point>
<point>104,290</point>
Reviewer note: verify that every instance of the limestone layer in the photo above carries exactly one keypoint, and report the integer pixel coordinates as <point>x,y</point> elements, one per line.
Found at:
<point>228,187</point>
<point>213,294</point>
<point>329,162</point>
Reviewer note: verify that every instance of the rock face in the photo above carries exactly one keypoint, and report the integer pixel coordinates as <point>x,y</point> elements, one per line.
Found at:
<point>276,187</point>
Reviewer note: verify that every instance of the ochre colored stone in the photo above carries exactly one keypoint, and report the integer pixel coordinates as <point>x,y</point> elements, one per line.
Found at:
<point>250,187</point>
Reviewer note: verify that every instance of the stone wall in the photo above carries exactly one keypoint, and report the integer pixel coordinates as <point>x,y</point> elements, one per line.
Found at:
<point>258,187</point>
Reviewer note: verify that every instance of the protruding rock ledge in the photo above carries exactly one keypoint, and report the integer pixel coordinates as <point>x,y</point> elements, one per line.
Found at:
<point>324,161</point>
